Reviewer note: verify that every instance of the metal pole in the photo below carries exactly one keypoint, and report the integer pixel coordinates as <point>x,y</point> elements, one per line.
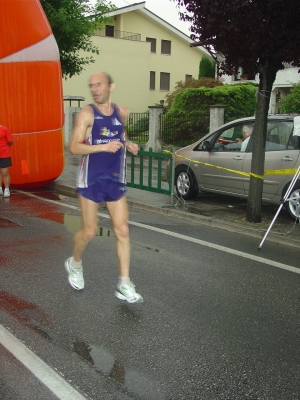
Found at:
<point>285,198</point>
<point>172,177</point>
<point>272,223</point>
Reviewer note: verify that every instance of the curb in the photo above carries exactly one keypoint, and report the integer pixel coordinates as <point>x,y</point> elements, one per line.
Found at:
<point>70,191</point>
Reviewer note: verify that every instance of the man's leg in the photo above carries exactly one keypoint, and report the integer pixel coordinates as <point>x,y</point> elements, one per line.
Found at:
<point>82,237</point>
<point>88,230</point>
<point>118,211</point>
<point>6,177</point>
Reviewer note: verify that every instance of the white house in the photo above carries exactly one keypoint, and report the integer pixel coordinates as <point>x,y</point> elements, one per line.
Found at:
<point>285,79</point>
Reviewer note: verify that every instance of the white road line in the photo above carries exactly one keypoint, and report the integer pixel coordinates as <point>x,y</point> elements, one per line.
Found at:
<point>221,248</point>
<point>187,238</point>
<point>38,368</point>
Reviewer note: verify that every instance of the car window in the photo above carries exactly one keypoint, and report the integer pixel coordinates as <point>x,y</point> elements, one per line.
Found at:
<point>234,138</point>
<point>209,139</point>
<point>279,136</point>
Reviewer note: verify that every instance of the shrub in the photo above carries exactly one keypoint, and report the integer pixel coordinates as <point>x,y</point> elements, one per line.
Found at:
<point>181,129</point>
<point>188,118</point>
<point>190,83</point>
<point>291,102</point>
<point>207,68</point>
<point>137,123</point>
<point>240,100</point>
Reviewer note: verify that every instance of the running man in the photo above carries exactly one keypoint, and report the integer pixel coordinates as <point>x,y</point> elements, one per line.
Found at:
<point>99,136</point>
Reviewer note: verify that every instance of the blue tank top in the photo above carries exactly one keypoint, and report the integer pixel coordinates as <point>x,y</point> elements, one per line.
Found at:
<point>104,165</point>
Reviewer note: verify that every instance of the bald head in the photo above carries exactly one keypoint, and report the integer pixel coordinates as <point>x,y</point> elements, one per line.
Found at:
<point>101,86</point>
<point>100,76</point>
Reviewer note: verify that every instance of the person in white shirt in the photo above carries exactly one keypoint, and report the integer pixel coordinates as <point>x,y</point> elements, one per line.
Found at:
<point>246,132</point>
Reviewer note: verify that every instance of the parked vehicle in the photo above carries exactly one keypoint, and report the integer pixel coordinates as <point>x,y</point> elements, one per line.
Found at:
<point>225,148</point>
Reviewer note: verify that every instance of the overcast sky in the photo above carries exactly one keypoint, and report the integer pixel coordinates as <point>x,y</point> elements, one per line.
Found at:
<point>165,9</point>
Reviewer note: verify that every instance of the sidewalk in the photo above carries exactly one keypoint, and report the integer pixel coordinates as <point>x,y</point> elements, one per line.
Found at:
<point>222,212</point>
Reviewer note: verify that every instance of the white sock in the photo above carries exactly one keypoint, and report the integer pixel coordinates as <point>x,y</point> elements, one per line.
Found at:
<point>123,281</point>
<point>75,265</point>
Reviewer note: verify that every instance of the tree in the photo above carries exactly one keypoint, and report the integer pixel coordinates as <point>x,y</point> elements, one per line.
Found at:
<point>291,102</point>
<point>206,68</point>
<point>73,23</point>
<point>258,36</point>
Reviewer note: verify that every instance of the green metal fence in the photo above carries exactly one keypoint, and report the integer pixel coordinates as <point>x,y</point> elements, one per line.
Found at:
<point>137,127</point>
<point>181,128</point>
<point>146,171</point>
<point>177,129</point>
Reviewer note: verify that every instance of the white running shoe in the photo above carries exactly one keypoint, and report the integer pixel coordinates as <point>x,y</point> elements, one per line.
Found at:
<point>127,292</point>
<point>1,191</point>
<point>75,276</point>
<point>6,193</point>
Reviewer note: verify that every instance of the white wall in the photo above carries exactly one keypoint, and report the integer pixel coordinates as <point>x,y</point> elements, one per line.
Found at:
<point>127,62</point>
<point>285,79</point>
<point>130,62</point>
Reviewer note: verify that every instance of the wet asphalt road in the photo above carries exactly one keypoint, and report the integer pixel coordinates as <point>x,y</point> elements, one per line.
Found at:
<point>210,209</point>
<point>217,323</point>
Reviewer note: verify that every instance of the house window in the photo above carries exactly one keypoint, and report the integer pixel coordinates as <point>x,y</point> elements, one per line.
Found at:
<point>109,30</point>
<point>153,44</point>
<point>152,80</point>
<point>166,47</point>
<point>187,77</point>
<point>164,81</point>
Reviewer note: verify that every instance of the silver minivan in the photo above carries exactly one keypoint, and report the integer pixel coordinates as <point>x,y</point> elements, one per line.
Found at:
<point>196,165</point>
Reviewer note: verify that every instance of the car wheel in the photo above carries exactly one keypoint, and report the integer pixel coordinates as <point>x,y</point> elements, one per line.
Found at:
<point>185,182</point>
<point>293,205</point>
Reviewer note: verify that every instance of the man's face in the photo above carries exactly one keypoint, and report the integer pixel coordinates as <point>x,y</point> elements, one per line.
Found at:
<point>100,88</point>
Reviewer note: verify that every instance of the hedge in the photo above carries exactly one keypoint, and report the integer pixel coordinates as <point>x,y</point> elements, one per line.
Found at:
<point>239,99</point>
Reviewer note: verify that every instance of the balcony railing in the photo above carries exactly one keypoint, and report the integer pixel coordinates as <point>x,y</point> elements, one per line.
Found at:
<point>119,35</point>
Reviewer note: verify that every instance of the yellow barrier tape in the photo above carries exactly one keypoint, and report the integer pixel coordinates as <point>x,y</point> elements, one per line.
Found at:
<point>290,171</point>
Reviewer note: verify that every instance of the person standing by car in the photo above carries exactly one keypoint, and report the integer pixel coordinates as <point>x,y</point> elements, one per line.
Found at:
<point>6,142</point>
<point>100,137</point>
<point>246,132</point>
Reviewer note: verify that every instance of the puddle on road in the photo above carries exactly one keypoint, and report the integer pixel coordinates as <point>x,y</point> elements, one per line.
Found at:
<point>101,359</point>
<point>29,207</point>
<point>73,224</point>
<point>45,194</point>
<point>134,381</point>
